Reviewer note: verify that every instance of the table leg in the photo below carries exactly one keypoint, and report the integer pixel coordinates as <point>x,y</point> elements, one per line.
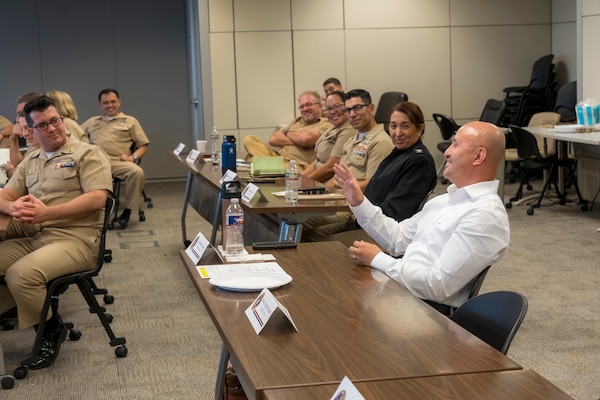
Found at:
<point>186,199</point>
<point>290,232</point>
<point>221,373</point>
<point>216,221</point>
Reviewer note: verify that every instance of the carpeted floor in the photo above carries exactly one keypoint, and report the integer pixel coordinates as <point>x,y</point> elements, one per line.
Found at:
<point>174,348</point>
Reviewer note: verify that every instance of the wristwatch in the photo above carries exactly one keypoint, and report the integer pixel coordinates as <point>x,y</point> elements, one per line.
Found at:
<point>135,158</point>
<point>284,132</point>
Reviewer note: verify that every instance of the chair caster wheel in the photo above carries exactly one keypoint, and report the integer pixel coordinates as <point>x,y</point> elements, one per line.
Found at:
<point>108,258</point>
<point>108,299</point>
<point>529,187</point>
<point>111,226</point>
<point>186,243</point>
<point>121,351</point>
<point>20,372</point>
<point>74,334</point>
<point>142,218</point>
<point>7,382</point>
<point>109,317</point>
<point>530,211</point>
<point>8,324</point>
<point>508,205</point>
<point>562,202</point>
<point>150,205</point>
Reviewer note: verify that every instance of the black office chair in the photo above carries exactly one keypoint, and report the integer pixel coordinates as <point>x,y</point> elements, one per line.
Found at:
<point>494,317</point>
<point>84,281</point>
<point>387,101</point>
<point>493,111</point>
<point>566,99</point>
<point>531,160</point>
<point>448,128</point>
<point>538,96</point>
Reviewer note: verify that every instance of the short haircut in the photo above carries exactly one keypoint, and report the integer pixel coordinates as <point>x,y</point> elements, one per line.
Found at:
<point>412,111</point>
<point>363,94</point>
<point>39,104</point>
<point>336,93</point>
<point>335,81</point>
<point>27,97</point>
<point>108,91</point>
<point>316,95</point>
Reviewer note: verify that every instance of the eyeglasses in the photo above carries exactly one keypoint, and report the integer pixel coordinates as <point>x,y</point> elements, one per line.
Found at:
<point>42,126</point>
<point>335,107</point>
<point>357,108</point>
<point>306,105</point>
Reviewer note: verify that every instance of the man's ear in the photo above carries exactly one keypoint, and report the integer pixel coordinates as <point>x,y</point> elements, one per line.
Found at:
<point>480,156</point>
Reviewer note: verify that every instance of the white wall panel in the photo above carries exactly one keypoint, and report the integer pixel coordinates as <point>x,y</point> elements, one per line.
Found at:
<point>264,78</point>
<point>470,12</point>
<point>487,59</point>
<point>590,7</point>
<point>414,61</point>
<point>591,57</point>
<point>261,15</point>
<point>318,55</point>
<point>395,14</point>
<point>223,80</point>
<point>220,15</point>
<point>317,14</point>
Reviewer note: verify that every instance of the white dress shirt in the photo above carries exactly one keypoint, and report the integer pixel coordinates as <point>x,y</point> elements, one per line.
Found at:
<point>443,247</point>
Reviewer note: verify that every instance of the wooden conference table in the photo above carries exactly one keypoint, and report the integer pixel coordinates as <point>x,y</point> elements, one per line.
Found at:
<point>502,385</point>
<point>352,321</point>
<point>266,219</point>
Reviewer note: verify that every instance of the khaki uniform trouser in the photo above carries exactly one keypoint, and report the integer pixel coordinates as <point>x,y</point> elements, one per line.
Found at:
<point>134,180</point>
<point>29,263</point>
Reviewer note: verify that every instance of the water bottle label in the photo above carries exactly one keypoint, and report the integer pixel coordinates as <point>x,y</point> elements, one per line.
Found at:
<point>235,220</point>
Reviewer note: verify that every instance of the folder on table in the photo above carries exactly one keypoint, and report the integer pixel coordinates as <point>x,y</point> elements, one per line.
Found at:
<point>267,166</point>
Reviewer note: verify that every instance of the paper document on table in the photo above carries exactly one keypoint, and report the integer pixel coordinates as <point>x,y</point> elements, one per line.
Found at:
<point>271,166</point>
<point>210,271</point>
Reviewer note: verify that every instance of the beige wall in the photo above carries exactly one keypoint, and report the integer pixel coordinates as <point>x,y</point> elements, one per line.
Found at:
<point>449,56</point>
<point>590,53</point>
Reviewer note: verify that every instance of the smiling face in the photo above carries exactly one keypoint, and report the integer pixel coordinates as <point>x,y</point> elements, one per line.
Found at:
<point>110,104</point>
<point>51,138</point>
<point>360,114</point>
<point>462,155</point>
<point>334,110</point>
<point>403,132</point>
<point>310,108</point>
<point>27,132</point>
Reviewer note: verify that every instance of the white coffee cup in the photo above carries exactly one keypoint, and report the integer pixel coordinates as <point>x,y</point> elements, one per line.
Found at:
<point>201,146</point>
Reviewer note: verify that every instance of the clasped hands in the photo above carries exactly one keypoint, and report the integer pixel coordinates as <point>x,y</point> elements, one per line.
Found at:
<point>29,209</point>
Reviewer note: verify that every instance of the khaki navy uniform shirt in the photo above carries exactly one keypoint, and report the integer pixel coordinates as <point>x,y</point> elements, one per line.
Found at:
<point>331,143</point>
<point>363,155</point>
<point>75,130</point>
<point>74,169</point>
<point>115,135</point>
<point>303,155</point>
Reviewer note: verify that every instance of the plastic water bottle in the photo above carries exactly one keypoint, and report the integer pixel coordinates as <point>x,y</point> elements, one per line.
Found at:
<point>228,154</point>
<point>234,227</point>
<point>214,145</point>
<point>292,182</point>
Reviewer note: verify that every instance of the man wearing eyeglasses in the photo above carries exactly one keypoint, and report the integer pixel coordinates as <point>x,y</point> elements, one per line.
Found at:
<point>366,150</point>
<point>61,189</point>
<point>297,139</point>
<point>118,134</point>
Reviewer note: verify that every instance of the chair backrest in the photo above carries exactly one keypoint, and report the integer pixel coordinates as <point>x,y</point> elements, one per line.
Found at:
<point>493,111</point>
<point>477,282</point>
<point>446,124</point>
<point>387,101</point>
<point>108,212</point>
<point>541,72</point>
<point>527,145</point>
<point>547,148</point>
<point>494,317</point>
<point>566,99</point>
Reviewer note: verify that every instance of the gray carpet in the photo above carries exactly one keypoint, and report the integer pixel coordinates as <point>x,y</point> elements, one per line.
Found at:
<point>174,348</point>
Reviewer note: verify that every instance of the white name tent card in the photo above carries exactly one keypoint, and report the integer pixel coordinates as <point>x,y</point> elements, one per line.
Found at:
<point>250,191</point>
<point>194,157</point>
<point>347,391</point>
<point>196,249</point>
<point>228,176</point>
<point>265,307</point>
<point>181,149</point>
